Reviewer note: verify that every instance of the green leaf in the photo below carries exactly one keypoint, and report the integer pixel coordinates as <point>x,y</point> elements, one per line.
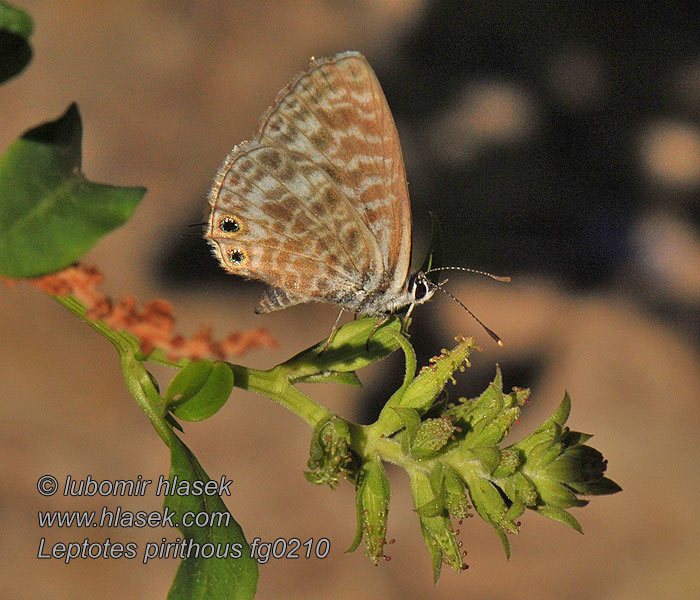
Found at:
<point>50,215</point>
<point>574,438</point>
<point>410,419</point>
<point>432,379</point>
<point>559,417</point>
<point>542,455</point>
<point>434,550</point>
<point>347,351</point>
<point>15,20</point>
<point>491,508</point>
<point>199,390</point>
<point>601,487</point>
<point>388,421</point>
<point>455,497</point>
<point>349,378</point>
<point>154,381</point>
<point>16,27</point>
<point>580,464</point>
<point>489,456</point>
<point>516,510</point>
<point>432,508</point>
<point>559,514</point>
<point>508,462</point>
<point>488,418</point>
<point>550,430</point>
<point>200,578</point>
<point>520,489</point>
<point>436,528</point>
<point>173,422</point>
<point>372,499</point>
<point>553,466</point>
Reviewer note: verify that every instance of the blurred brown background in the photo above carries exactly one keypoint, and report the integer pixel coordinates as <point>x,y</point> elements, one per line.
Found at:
<point>561,147</point>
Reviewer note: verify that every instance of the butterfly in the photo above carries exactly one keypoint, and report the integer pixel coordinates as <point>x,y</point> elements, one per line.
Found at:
<point>316,205</point>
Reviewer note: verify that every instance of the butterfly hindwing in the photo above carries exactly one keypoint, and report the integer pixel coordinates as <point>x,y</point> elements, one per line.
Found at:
<point>293,228</point>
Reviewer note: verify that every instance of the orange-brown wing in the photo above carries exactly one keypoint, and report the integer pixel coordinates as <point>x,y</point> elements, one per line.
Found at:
<point>316,206</point>
<point>336,112</point>
<point>277,216</point>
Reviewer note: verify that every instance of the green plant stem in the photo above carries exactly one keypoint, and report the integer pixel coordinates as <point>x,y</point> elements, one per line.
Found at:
<point>388,421</point>
<point>120,341</point>
<point>136,377</point>
<point>141,388</point>
<point>274,384</point>
<point>391,451</point>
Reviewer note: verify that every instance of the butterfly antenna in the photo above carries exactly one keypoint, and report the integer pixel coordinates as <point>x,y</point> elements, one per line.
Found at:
<point>477,319</point>
<point>491,275</point>
<point>198,224</point>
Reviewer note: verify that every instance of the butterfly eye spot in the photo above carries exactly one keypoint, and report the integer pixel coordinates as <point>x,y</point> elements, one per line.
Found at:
<point>420,289</point>
<point>229,225</point>
<point>237,257</point>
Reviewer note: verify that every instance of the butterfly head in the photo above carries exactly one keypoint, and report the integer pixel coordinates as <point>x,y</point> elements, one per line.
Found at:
<point>420,288</point>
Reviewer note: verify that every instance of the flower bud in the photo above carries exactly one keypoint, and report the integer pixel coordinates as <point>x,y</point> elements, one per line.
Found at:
<point>372,497</point>
<point>437,530</point>
<point>329,455</point>
<point>430,437</point>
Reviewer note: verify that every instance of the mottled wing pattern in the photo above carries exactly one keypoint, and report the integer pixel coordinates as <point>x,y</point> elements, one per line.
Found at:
<point>289,226</point>
<point>337,112</point>
<point>316,206</point>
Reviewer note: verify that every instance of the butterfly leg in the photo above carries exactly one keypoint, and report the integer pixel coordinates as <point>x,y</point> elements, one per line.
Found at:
<point>377,325</point>
<point>406,319</point>
<point>333,330</point>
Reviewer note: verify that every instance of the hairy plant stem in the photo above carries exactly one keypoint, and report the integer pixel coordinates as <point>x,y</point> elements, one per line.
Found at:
<point>274,384</point>
<point>136,377</point>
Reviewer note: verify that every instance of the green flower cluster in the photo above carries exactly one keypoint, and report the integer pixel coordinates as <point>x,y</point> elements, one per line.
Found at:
<point>453,456</point>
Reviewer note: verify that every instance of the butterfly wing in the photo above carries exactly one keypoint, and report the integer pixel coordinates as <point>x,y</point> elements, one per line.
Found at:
<point>339,112</point>
<point>279,217</point>
<point>319,197</point>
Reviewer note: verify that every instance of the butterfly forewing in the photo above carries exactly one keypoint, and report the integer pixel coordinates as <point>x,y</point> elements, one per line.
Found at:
<point>341,116</point>
<point>316,205</point>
